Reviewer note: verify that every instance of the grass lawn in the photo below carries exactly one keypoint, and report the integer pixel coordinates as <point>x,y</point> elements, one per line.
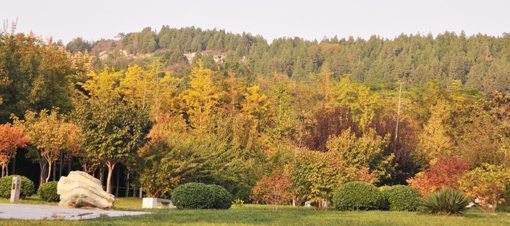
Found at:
<point>261,215</point>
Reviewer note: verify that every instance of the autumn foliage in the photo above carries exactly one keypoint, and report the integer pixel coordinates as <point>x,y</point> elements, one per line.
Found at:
<point>11,138</point>
<point>443,172</point>
<point>274,190</point>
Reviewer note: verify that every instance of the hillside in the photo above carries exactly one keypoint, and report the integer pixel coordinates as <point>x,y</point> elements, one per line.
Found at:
<point>480,61</point>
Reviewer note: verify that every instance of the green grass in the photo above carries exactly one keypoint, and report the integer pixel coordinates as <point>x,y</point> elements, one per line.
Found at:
<point>261,215</point>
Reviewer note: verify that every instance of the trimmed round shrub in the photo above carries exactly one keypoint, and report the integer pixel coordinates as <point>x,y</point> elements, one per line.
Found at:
<point>222,199</point>
<point>192,196</point>
<point>244,193</point>
<point>401,198</point>
<point>27,187</point>
<point>357,196</point>
<point>48,192</point>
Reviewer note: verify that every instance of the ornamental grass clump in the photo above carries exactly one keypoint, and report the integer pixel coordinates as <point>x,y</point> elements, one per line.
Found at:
<point>444,202</point>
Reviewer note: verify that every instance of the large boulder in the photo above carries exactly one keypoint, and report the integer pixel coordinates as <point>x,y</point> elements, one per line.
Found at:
<point>80,188</point>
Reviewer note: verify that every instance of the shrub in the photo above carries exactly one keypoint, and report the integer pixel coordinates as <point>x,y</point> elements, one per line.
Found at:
<point>201,196</point>
<point>401,197</point>
<point>357,196</point>
<point>443,172</point>
<point>221,198</point>
<point>488,183</point>
<point>274,190</point>
<point>48,192</point>
<point>243,192</point>
<point>27,187</point>
<point>192,196</point>
<point>445,201</point>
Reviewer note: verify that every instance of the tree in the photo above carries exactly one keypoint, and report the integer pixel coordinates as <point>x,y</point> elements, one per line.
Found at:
<point>11,138</point>
<point>201,100</point>
<point>33,76</point>
<point>316,175</point>
<point>50,135</point>
<point>149,87</point>
<point>168,159</point>
<point>364,151</point>
<point>434,141</point>
<point>112,128</point>
<point>442,172</point>
<point>487,183</point>
<point>274,190</point>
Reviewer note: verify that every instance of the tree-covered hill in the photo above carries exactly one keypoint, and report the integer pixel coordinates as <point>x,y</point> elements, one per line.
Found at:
<point>479,61</point>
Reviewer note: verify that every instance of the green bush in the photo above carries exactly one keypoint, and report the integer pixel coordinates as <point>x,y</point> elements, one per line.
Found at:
<point>192,196</point>
<point>222,199</point>
<point>400,198</point>
<point>201,196</point>
<point>27,187</point>
<point>446,201</point>
<point>357,196</point>
<point>244,193</point>
<point>48,192</point>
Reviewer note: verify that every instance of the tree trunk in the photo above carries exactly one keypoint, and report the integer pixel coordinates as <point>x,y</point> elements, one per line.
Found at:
<point>134,192</point>
<point>127,183</point>
<point>3,167</point>
<point>49,172</point>
<point>42,165</point>
<point>398,112</point>
<point>101,175</point>
<point>54,172</point>
<point>110,165</point>
<point>69,167</point>
<point>13,169</point>
<point>117,188</point>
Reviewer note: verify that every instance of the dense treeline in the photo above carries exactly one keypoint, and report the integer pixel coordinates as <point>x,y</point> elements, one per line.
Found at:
<point>478,61</point>
<point>292,114</point>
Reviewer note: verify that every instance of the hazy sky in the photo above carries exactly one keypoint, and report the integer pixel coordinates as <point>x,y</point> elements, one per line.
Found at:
<point>94,19</point>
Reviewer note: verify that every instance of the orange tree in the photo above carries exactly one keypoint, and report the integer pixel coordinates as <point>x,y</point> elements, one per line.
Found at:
<point>274,190</point>
<point>442,172</point>
<point>11,138</point>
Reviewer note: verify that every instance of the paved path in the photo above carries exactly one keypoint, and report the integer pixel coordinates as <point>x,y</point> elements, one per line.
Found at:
<point>38,212</point>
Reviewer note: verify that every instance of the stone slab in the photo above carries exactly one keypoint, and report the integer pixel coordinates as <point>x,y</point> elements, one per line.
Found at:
<point>38,212</point>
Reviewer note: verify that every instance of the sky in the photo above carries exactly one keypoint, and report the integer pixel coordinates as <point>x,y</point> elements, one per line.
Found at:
<point>93,19</point>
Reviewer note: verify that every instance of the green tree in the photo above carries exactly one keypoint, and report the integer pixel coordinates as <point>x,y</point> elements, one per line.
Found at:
<point>112,128</point>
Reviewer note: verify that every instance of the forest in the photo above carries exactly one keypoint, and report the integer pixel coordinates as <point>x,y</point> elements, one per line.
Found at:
<point>139,111</point>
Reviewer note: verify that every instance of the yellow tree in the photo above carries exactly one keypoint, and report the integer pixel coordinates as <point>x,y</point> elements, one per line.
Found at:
<point>149,87</point>
<point>200,101</point>
<point>434,140</point>
<point>113,128</point>
<point>359,99</point>
<point>324,81</point>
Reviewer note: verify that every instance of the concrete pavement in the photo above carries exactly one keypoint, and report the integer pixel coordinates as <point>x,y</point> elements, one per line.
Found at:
<point>38,212</point>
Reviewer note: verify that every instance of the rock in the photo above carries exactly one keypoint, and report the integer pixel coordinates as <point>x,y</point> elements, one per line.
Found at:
<point>83,189</point>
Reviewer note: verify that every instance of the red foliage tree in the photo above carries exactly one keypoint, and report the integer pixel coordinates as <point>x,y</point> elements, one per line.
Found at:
<point>273,190</point>
<point>443,172</point>
<point>11,138</point>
